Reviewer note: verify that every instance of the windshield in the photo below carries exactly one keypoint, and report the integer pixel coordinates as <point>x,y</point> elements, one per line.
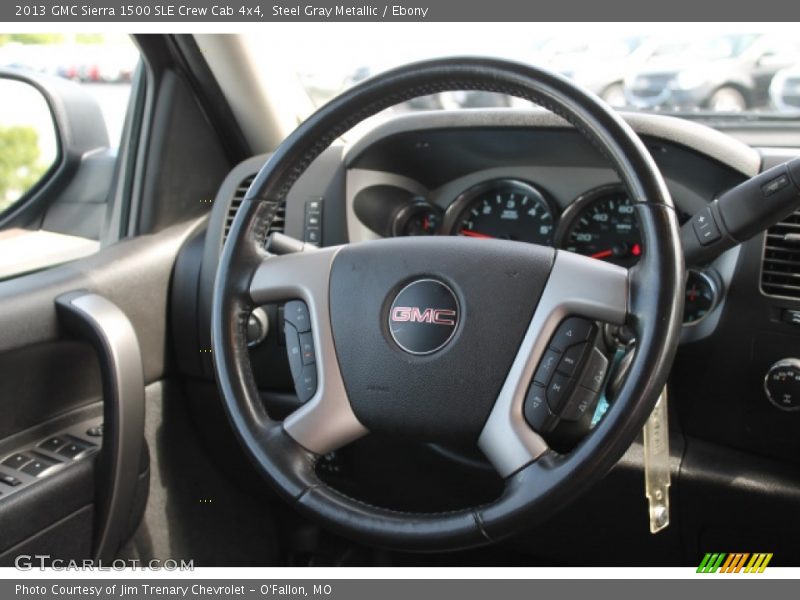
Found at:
<point>703,70</point>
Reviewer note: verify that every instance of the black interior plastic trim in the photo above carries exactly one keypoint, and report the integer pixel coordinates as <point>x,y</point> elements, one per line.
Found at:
<point>729,498</point>
<point>184,306</point>
<point>183,163</point>
<point>39,506</point>
<point>135,274</point>
<point>213,248</point>
<point>69,538</point>
<point>190,59</point>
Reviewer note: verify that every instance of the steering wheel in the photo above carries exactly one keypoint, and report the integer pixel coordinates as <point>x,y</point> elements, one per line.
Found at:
<point>497,304</point>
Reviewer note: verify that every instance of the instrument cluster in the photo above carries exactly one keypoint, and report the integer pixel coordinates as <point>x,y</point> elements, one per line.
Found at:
<point>600,223</point>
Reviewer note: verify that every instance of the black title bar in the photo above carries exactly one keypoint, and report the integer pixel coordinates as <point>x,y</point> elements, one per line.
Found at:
<point>257,11</point>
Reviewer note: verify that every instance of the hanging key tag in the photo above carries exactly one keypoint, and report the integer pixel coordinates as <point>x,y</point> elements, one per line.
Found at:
<point>656,464</point>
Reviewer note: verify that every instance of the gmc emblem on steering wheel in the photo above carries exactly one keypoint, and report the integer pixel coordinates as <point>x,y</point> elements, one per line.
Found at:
<point>423,316</point>
<point>437,316</point>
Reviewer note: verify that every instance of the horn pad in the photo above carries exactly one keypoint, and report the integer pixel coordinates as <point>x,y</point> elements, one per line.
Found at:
<point>426,329</point>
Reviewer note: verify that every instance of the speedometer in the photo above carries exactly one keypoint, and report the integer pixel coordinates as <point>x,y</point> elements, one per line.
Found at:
<point>506,209</point>
<point>602,224</point>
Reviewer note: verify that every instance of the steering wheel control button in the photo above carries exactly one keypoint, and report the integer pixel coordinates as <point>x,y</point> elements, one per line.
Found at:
<point>300,348</point>
<point>307,348</point>
<point>537,412</point>
<point>547,366</point>
<point>306,385</point>
<point>571,359</point>
<point>53,444</point>
<point>557,392</point>
<point>580,402</point>
<point>296,313</point>
<point>595,372</point>
<point>705,227</point>
<point>293,350</point>
<point>782,384</point>
<point>423,316</point>
<point>572,331</point>
<point>9,480</point>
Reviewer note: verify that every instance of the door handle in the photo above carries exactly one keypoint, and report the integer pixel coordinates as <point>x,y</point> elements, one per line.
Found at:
<point>102,323</point>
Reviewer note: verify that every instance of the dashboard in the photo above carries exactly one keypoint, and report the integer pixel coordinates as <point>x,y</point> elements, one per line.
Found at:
<point>541,186</point>
<point>529,177</point>
<point>517,175</point>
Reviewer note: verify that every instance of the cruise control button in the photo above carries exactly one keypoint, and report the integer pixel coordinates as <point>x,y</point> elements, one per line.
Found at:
<point>293,350</point>
<point>307,348</point>
<point>572,331</point>
<point>296,313</point>
<point>557,392</point>
<point>537,413</point>
<point>571,359</point>
<point>547,366</point>
<point>17,461</point>
<point>595,372</point>
<point>581,401</point>
<point>306,384</point>
<point>9,480</point>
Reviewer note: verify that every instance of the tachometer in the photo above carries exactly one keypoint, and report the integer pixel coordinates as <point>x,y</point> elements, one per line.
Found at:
<point>602,224</point>
<point>506,209</point>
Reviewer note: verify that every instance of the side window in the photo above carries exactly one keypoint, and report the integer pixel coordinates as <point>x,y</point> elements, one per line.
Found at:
<point>54,186</point>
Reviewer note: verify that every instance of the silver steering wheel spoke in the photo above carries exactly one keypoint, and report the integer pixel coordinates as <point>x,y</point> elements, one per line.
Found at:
<point>326,421</point>
<point>577,286</point>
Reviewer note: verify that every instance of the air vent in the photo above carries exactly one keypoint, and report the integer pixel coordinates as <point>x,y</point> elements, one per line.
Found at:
<point>780,273</point>
<point>278,224</point>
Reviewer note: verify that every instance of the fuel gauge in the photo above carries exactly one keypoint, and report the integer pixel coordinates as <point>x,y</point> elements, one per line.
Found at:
<point>419,218</point>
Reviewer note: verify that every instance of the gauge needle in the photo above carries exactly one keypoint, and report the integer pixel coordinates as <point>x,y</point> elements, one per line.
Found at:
<point>475,234</point>
<point>603,254</point>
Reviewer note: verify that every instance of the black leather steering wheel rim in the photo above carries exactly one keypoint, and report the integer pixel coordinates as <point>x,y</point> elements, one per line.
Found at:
<point>536,490</point>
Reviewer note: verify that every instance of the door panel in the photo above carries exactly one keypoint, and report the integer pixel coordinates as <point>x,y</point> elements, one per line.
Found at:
<point>51,385</point>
